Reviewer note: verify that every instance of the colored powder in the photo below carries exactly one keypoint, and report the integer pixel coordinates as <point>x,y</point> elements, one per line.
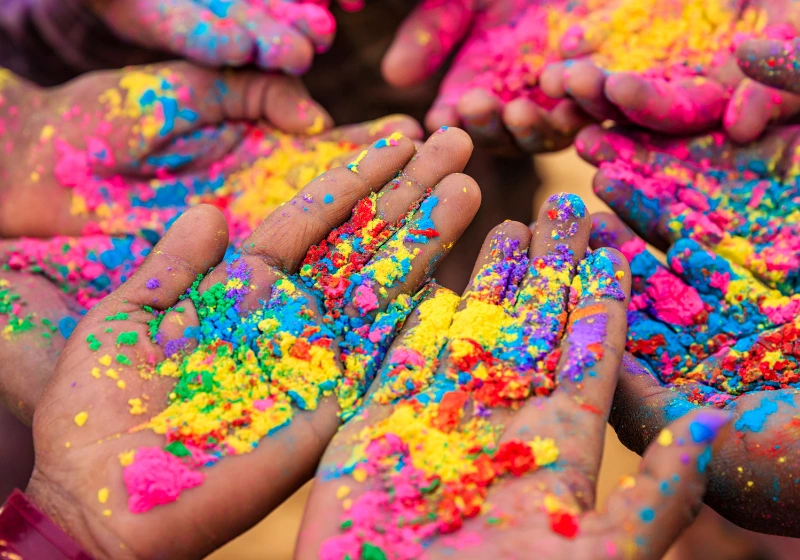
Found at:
<point>670,38</point>
<point>428,464</point>
<point>724,313</point>
<point>507,49</point>
<point>251,371</point>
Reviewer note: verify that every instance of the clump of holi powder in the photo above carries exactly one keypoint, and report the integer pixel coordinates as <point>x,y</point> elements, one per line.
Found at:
<point>252,370</point>
<point>672,38</point>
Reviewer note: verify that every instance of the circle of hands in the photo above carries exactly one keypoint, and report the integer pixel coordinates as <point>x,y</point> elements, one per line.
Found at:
<point>723,339</point>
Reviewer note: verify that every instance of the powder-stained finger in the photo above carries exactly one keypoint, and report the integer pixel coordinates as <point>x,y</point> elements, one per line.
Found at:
<point>194,243</point>
<point>654,506</point>
<point>405,261</point>
<point>771,62</point>
<point>675,107</point>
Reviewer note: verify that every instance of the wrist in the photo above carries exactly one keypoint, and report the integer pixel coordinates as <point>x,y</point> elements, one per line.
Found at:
<point>66,513</point>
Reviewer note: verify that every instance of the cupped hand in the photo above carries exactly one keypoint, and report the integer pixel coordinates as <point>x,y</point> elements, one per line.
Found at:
<point>671,66</point>
<point>177,370</point>
<point>718,325</point>
<point>492,86</point>
<point>273,34</point>
<point>483,433</point>
<point>141,122</point>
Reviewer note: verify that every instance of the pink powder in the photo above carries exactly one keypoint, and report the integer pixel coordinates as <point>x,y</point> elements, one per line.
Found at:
<point>365,300</point>
<point>156,477</point>
<point>673,301</point>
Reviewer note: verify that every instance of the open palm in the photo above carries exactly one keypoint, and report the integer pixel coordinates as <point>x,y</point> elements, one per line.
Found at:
<point>482,435</point>
<point>719,324</point>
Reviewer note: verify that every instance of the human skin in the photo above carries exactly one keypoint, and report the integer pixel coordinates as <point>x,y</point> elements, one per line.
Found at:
<point>716,326</point>
<point>681,92</point>
<point>39,202</point>
<point>243,489</point>
<point>547,512</point>
<point>491,86</point>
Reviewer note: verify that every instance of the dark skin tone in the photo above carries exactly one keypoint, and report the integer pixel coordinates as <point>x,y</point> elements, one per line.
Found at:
<point>752,481</point>
<point>43,208</point>
<point>253,483</point>
<point>574,415</point>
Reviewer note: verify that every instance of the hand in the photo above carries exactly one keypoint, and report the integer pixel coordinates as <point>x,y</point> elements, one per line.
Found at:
<point>670,66</point>
<point>274,35</point>
<point>146,122</point>
<point>718,325</point>
<point>309,292</point>
<point>492,86</point>
<point>494,450</point>
<point>60,278</point>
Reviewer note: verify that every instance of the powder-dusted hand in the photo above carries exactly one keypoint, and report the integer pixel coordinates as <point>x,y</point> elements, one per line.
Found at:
<point>719,324</point>
<point>492,86</point>
<point>670,65</point>
<point>138,123</point>
<point>178,370</point>
<point>273,34</point>
<point>483,433</point>
<point>145,159</point>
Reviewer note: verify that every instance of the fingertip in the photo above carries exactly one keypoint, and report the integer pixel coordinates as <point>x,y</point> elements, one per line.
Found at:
<point>750,111</point>
<point>627,91</point>
<point>465,190</point>
<point>456,143</point>
<point>441,115</point>
<point>551,80</point>
<point>288,51</point>
<point>477,107</point>
<point>402,65</point>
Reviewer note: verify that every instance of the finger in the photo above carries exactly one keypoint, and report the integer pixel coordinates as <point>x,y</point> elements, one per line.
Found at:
<point>771,62</point>
<point>653,507</point>
<point>278,45</point>
<point>479,340</point>
<point>424,40</point>
<point>585,82</point>
<point>191,246</point>
<point>597,145</point>
<point>676,107</point>
<point>408,259</point>
<point>753,107</point>
<point>166,101</point>
<point>315,22</point>
<point>181,27</point>
<point>624,191</point>
<point>480,112</point>
<point>35,321</point>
